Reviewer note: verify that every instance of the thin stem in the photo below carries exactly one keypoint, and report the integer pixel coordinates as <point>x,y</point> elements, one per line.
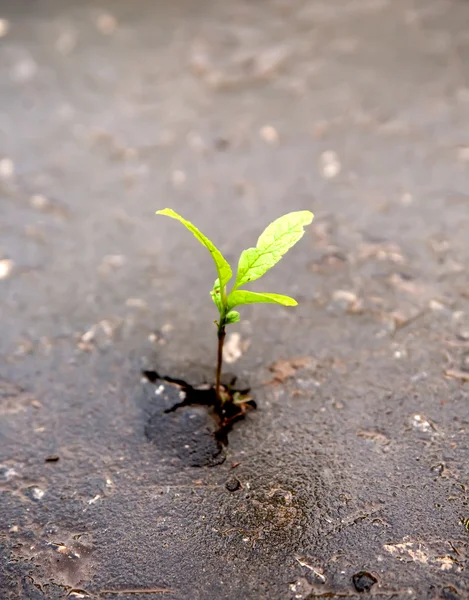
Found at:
<point>221,340</point>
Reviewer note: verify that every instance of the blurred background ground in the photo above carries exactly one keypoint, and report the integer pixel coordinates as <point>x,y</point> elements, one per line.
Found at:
<point>352,474</point>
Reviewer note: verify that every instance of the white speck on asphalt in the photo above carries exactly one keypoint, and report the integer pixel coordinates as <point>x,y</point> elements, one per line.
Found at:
<point>9,473</point>
<point>6,267</point>
<point>330,164</point>
<point>232,350</point>
<point>419,422</point>
<point>269,134</point>
<point>37,493</point>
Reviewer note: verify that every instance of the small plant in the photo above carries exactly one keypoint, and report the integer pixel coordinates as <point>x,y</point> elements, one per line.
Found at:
<point>273,243</point>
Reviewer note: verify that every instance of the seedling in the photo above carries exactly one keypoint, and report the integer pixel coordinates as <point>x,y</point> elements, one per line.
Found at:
<point>273,243</point>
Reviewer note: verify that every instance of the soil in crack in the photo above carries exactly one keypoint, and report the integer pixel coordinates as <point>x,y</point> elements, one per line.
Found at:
<point>189,423</point>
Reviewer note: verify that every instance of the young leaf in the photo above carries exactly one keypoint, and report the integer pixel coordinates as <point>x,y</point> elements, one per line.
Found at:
<point>216,295</point>
<point>223,268</point>
<point>232,317</point>
<point>273,243</point>
<point>245,297</point>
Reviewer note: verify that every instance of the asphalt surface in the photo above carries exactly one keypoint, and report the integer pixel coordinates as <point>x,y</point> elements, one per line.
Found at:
<point>350,478</point>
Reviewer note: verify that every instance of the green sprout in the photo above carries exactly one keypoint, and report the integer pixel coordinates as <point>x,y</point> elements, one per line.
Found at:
<point>273,243</point>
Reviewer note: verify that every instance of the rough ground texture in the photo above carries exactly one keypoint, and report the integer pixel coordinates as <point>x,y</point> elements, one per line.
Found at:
<point>351,477</point>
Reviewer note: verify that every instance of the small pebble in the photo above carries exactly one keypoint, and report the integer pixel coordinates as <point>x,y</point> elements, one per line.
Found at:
<point>52,458</point>
<point>344,296</point>
<point>421,423</point>
<point>438,468</point>
<point>347,301</point>
<point>233,484</point>
<point>88,336</point>
<point>436,306</point>
<point>36,493</point>
<point>7,473</point>
<point>363,581</point>
<point>449,593</point>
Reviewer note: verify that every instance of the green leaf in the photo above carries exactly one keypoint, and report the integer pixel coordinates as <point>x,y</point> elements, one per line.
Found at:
<point>273,243</point>
<point>232,317</point>
<point>245,297</point>
<point>223,268</point>
<point>216,295</point>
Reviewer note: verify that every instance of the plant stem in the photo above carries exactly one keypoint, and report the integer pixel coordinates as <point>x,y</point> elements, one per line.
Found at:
<point>221,340</point>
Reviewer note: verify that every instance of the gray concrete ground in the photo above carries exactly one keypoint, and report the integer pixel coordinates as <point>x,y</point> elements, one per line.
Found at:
<point>351,477</point>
